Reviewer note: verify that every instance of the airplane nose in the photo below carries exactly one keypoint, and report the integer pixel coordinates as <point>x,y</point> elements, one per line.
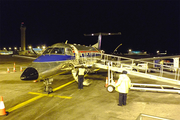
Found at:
<point>29,73</point>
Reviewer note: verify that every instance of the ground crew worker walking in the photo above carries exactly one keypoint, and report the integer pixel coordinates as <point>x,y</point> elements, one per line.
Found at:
<point>122,86</point>
<point>80,74</point>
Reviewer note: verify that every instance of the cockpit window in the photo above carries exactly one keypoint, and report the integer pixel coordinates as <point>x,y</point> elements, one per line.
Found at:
<point>57,51</point>
<point>47,51</point>
<point>69,51</point>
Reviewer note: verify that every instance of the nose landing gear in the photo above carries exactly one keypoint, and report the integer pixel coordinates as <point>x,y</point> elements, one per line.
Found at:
<point>47,88</point>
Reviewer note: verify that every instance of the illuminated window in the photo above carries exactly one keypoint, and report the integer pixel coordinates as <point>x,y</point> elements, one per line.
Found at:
<point>57,51</point>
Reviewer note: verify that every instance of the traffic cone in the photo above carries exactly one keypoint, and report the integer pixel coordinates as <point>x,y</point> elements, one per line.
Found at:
<point>2,107</point>
<point>106,82</point>
<point>20,69</point>
<point>8,70</point>
<point>14,69</point>
<point>35,81</point>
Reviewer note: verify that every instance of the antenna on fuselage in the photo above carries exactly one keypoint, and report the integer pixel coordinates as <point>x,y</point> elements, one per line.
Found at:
<point>100,37</point>
<point>66,41</point>
<point>117,48</point>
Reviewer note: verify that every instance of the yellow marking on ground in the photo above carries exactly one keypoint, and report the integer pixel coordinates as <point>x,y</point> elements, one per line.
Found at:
<point>55,89</point>
<point>39,96</point>
<point>24,103</point>
<point>49,95</point>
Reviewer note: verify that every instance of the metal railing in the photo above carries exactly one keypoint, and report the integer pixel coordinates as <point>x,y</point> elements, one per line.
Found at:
<point>146,69</point>
<point>137,65</point>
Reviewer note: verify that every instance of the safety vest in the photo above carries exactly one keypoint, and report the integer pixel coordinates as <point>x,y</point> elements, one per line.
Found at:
<point>81,71</point>
<point>123,84</point>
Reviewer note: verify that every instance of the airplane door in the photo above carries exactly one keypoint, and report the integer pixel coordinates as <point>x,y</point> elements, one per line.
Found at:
<point>77,56</point>
<point>176,62</point>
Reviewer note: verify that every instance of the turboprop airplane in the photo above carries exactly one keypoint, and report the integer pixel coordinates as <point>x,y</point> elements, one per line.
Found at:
<point>63,56</point>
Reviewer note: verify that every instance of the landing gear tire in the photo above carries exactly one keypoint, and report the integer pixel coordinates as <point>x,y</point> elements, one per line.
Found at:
<point>48,89</point>
<point>110,88</point>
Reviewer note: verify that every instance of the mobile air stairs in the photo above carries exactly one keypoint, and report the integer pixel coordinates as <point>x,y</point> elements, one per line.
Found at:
<point>146,69</point>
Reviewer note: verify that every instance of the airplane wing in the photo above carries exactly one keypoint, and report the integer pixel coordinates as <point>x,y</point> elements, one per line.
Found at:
<point>152,58</point>
<point>27,57</point>
<point>97,34</point>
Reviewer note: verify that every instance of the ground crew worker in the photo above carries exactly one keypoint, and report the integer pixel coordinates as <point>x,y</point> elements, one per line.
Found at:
<point>122,86</point>
<point>80,74</point>
<point>162,63</point>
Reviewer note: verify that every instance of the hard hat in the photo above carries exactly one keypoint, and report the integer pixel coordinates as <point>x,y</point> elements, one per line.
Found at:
<point>124,72</point>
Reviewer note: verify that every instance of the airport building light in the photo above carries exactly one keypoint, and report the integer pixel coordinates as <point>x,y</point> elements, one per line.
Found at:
<point>9,48</point>
<point>38,47</point>
<point>4,48</point>
<point>30,47</point>
<point>157,51</point>
<point>15,48</point>
<point>43,47</point>
<point>129,50</point>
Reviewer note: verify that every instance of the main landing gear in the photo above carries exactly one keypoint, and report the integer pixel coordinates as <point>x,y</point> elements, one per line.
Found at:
<point>47,88</point>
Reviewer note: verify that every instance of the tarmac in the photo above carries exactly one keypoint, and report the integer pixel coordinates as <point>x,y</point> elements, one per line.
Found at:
<point>26,100</point>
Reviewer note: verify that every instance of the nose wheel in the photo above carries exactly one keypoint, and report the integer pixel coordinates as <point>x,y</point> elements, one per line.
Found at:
<point>47,88</point>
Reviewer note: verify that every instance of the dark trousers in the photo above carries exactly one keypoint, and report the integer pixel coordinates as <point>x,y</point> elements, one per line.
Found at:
<point>122,98</point>
<point>80,81</point>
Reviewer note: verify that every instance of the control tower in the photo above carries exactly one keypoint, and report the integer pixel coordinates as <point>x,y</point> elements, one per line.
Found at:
<point>23,36</point>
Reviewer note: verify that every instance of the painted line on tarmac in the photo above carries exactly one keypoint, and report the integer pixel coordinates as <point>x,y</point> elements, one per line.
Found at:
<point>55,89</point>
<point>49,95</point>
<point>24,103</point>
<point>36,98</point>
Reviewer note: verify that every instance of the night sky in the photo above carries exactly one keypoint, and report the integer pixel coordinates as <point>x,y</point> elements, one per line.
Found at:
<point>146,25</point>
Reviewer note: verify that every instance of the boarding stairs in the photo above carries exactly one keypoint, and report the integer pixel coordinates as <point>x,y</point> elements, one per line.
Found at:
<point>145,69</point>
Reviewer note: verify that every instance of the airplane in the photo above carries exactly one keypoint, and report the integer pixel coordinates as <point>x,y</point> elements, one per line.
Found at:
<point>63,56</point>
<point>5,52</point>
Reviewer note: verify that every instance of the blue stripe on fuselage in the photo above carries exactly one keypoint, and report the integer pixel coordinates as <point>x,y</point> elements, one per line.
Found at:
<point>54,58</point>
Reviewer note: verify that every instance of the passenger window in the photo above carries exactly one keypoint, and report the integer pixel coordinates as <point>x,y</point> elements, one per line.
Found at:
<point>57,51</point>
<point>82,55</point>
